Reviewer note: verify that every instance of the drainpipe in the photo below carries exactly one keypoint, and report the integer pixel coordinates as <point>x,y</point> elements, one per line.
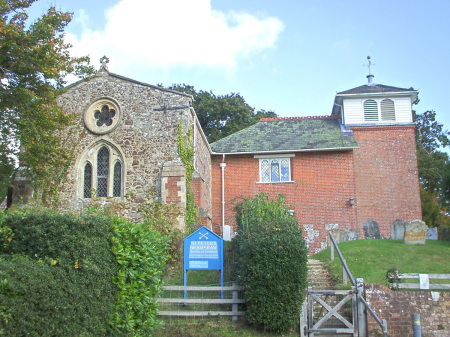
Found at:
<point>222,166</point>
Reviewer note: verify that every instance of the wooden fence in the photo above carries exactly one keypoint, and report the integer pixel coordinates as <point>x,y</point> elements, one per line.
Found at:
<point>427,286</point>
<point>183,310</point>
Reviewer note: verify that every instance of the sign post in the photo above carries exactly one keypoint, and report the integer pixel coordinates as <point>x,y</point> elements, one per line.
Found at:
<point>203,250</point>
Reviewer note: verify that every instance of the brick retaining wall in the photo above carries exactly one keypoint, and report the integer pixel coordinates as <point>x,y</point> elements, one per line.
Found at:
<point>396,307</point>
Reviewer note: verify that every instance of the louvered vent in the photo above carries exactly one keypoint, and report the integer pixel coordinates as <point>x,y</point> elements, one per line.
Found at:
<point>387,110</point>
<point>370,111</point>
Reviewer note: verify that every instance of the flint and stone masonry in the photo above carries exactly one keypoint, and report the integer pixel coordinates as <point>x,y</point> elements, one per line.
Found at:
<point>142,137</point>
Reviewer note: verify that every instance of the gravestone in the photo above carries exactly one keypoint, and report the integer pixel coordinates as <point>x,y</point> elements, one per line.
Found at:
<point>338,234</point>
<point>432,233</point>
<point>415,233</point>
<point>371,229</point>
<point>398,229</point>
<point>343,235</point>
<point>352,235</point>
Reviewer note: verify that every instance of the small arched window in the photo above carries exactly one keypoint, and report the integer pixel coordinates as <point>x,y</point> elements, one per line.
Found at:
<point>387,110</point>
<point>117,184</point>
<point>87,181</point>
<point>370,111</point>
<point>102,172</point>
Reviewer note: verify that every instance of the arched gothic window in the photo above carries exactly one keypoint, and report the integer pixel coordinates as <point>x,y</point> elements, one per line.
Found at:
<point>87,181</point>
<point>117,185</point>
<point>102,172</point>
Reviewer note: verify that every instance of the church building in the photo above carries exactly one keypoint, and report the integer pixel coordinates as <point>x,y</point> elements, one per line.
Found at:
<point>336,171</point>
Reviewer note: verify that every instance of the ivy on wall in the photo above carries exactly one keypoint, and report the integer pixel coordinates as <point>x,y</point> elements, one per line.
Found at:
<point>186,153</point>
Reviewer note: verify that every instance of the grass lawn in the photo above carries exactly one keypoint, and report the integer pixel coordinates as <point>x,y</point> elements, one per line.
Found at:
<point>371,259</point>
<point>209,327</point>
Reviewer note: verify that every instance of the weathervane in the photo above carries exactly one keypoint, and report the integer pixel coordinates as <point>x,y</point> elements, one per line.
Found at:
<point>370,63</point>
<point>370,76</point>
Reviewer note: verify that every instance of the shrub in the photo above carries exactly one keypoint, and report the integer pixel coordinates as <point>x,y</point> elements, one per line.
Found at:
<point>141,254</point>
<point>163,217</point>
<point>78,275</point>
<point>56,276</point>
<point>271,258</point>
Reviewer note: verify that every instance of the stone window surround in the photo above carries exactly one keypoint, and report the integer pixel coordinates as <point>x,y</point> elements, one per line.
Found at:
<point>278,157</point>
<point>90,155</point>
<point>89,115</point>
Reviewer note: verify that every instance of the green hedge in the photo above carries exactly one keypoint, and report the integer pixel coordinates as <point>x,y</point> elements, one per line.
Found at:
<point>69,275</point>
<point>141,255</point>
<point>271,262</point>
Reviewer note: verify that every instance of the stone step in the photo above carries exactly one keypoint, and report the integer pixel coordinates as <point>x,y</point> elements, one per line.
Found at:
<point>318,275</point>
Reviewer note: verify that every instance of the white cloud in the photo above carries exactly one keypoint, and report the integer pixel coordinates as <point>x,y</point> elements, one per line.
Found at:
<point>164,34</point>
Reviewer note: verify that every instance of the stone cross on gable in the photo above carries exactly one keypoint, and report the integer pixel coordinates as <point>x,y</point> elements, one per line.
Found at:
<point>165,108</point>
<point>104,62</point>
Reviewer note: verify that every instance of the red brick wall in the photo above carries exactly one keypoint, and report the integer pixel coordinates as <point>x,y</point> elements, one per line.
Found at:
<point>323,183</point>
<point>396,307</point>
<point>198,189</point>
<point>386,175</point>
<point>173,188</point>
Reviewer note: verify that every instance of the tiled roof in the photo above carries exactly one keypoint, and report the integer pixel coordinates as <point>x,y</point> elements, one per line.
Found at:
<point>372,89</point>
<point>288,134</point>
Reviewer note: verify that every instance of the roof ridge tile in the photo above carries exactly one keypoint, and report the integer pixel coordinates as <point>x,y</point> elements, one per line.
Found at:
<point>271,119</point>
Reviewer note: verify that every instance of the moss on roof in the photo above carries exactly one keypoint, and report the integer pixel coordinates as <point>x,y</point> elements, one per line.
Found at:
<point>287,134</point>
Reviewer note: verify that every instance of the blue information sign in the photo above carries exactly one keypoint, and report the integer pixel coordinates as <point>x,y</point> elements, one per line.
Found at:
<point>203,250</point>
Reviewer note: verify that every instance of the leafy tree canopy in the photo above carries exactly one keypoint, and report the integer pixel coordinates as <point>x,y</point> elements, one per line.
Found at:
<point>434,168</point>
<point>34,62</point>
<point>222,115</point>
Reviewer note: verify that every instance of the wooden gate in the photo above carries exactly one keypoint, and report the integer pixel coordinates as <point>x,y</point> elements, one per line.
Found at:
<point>330,312</point>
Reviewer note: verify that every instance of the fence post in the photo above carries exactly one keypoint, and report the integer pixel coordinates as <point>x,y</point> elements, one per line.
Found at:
<point>304,317</point>
<point>234,306</point>
<point>362,313</point>
<point>310,312</point>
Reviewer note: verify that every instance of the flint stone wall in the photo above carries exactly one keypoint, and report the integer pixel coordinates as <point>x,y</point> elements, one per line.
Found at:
<point>146,138</point>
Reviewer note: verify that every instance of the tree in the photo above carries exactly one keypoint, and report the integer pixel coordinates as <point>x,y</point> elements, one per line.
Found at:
<point>34,62</point>
<point>222,115</point>
<point>434,168</point>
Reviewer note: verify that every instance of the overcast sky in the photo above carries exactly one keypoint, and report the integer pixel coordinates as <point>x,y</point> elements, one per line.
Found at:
<point>287,56</point>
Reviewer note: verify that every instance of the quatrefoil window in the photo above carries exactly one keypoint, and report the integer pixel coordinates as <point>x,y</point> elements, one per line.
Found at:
<point>104,116</point>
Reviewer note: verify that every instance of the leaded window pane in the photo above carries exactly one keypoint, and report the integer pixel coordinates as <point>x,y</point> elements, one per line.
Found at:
<point>102,172</point>
<point>275,169</point>
<point>87,181</point>
<point>117,186</point>
<point>284,170</point>
<point>265,171</point>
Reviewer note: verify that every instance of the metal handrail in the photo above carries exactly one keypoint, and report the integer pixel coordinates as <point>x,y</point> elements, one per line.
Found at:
<point>344,263</point>
<point>382,324</point>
